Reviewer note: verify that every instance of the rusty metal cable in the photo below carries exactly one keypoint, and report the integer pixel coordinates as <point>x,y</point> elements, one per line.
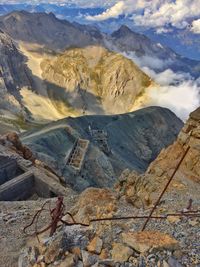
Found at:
<point>165,188</point>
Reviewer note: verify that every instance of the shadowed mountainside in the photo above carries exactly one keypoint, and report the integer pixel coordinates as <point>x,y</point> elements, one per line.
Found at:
<point>134,140</point>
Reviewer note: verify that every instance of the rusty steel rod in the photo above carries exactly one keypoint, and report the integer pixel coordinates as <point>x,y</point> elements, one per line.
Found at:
<point>162,217</point>
<point>165,188</point>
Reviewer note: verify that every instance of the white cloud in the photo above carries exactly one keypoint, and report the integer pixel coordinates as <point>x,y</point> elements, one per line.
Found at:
<point>123,7</point>
<point>113,12</point>
<point>158,14</point>
<point>181,99</point>
<point>167,76</point>
<point>169,12</point>
<point>148,61</point>
<point>177,91</point>
<point>196,26</point>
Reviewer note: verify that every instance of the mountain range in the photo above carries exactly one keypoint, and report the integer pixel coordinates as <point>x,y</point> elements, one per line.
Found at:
<point>177,39</point>
<point>71,69</point>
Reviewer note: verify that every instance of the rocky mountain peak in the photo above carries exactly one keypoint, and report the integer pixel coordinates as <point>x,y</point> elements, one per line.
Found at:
<point>122,31</point>
<point>45,30</point>
<point>125,32</point>
<point>95,72</point>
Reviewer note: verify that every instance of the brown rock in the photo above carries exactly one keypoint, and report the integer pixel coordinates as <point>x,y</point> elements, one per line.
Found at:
<point>147,240</point>
<point>173,219</point>
<point>27,154</point>
<point>95,245</point>
<point>69,261</point>
<point>23,151</point>
<point>135,188</point>
<point>104,254</point>
<point>76,251</point>
<point>94,203</point>
<point>193,222</point>
<point>13,138</point>
<point>120,252</point>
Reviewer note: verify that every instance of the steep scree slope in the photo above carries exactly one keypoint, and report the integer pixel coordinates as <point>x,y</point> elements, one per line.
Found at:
<point>134,140</point>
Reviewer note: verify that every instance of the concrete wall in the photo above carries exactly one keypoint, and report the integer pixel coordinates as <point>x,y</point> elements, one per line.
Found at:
<point>19,188</point>
<point>8,169</point>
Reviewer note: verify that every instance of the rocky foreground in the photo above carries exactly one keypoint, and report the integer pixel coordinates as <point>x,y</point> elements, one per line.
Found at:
<point>169,241</point>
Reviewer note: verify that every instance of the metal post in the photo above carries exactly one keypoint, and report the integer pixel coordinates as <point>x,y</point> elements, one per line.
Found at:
<point>164,190</point>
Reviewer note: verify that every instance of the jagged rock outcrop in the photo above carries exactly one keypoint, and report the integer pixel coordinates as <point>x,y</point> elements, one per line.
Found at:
<point>143,190</point>
<point>15,144</point>
<point>95,80</point>
<point>168,158</point>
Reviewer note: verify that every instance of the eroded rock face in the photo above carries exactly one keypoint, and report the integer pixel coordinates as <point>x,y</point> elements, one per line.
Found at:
<point>169,158</point>
<point>143,190</point>
<point>136,189</point>
<point>97,78</point>
<point>13,75</point>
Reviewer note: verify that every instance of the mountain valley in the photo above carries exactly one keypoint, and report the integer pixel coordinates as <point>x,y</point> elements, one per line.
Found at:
<point>99,144</point>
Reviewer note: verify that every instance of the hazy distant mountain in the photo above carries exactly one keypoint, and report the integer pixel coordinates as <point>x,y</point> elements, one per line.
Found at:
<point>45,30</point>
<point>135,44</point>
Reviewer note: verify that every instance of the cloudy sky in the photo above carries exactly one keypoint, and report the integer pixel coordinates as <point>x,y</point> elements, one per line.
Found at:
<point>158,14</point>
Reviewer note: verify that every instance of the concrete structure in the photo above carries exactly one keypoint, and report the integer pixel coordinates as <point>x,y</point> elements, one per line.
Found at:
<point>76,157</point>
<point>100,137</point>
<point>8,169</point>
<point>20,180</point>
